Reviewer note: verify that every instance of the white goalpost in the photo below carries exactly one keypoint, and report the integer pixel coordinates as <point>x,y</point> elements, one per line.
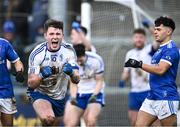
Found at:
<point>86,13</point>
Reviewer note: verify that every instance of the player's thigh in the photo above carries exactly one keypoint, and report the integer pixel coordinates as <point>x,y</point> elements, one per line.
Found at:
<point>92,111</point>
<point>169,121</point>
<point>72,113</point>
<point>43,108</point>
<point>144,119</point>
<point>6,119</point>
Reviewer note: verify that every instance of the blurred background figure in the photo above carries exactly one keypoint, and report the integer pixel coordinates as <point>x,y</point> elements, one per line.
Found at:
<point>38,17</point>
<point>9,33</point>
<point>9,30</point>
<point>18,11</point>
<point>78,36</point>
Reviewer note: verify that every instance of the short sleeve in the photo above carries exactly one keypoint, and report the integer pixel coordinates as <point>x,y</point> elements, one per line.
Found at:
<point>99,66</point>
<point>34,64</point>
<point>169,56</point>
<point>72,60</point>
<point>11,53</point>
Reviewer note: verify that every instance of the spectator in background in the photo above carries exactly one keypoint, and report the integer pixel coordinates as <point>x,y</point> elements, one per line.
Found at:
<point>78,36</point>
<point>9,33</point>
<point>18,11</point>
<point>38,17</point>
<point>8,30</point>
<point>147,25</point>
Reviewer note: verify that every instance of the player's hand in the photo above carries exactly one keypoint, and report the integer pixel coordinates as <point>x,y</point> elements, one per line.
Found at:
<point>45,71</point>
<point>146,23</point>
<point>19,76</point>
<point>67,69</point>
<point>73,101</point>
<point>133,63</point>
<point>75,79</point>
<point>92,99</point>
<point>121,83</point>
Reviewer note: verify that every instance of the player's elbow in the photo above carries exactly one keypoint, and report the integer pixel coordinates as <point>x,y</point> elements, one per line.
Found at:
<point>160,71</point>
<point>34,81</point>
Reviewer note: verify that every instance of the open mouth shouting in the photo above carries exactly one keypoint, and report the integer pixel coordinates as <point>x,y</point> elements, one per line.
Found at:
<point>55,45</point>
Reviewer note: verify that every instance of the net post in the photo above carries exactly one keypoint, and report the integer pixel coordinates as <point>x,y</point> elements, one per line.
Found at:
<point>86,16</point>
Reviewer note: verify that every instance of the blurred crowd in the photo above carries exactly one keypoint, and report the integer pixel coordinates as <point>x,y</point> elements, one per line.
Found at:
<point>21,22</point>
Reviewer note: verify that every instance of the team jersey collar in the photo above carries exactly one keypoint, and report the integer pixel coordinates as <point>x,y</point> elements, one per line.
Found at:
<point>165,43</point>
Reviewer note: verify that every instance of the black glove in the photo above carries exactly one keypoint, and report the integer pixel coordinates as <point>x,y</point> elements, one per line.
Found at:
<point>133,63</point>
<point>19,76</point>
<point>92,99</point>
<point>73,101</point>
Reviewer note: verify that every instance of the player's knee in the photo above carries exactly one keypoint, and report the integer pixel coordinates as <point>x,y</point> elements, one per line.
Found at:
<point>91,120</point>
<point>138,123</point>
<point>49,120</point>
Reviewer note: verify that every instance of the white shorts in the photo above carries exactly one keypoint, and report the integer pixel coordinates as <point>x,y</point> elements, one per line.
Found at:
<point>8,106</point>
<point>160,108</point>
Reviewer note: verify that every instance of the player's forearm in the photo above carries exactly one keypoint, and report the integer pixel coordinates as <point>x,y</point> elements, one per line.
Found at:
<point>99,85</point>
<point>19,66</point>
<point>34,81</point>
<point>87,44</point>
<point>155,69</point>
<point>125,76</point>
<point>75,78</point>
<point>73,89</point>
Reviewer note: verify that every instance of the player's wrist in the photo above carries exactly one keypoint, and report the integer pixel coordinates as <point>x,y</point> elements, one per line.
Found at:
<point>122,83</point>
<point>20,76</point>
<point>140,64</point>
<point>73,101</point>
<point>75,78</point>
<point>71,74</point>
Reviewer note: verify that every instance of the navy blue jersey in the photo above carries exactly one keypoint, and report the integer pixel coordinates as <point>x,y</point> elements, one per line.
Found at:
<point>163,87</point>
<point>6,53</point>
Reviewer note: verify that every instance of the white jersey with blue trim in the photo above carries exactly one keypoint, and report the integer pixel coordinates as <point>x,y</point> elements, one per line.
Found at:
<point>139,78</point>
<point>92,66</point>
<point>54,86</point>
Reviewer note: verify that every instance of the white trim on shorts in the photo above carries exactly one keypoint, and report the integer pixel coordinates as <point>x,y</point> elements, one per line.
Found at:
<point>8,105</point>
<point>160,108</point>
